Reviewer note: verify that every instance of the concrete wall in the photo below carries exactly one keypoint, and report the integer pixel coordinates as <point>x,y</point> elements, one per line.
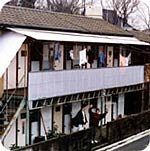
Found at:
<point>128,126</point>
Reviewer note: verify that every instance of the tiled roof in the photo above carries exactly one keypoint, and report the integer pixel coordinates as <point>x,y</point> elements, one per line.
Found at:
<point>34,18</point>
<point>141,35</point>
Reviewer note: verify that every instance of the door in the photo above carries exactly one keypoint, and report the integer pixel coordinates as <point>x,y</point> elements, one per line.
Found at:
<point>67,123</point>
<point>110,56</point>
<point>114,106</point>
<point>67,118</point>
<point>34,131</point>
<point>34,125</point>
<point>109,107</point>
<point>121,104</point>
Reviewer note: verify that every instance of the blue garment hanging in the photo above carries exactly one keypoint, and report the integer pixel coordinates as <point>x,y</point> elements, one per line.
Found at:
<point>102,58</point>
<point>58,52</point>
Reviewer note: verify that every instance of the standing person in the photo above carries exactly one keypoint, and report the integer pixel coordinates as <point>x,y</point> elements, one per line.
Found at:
<point>95,117</point>
<point>80,120</point>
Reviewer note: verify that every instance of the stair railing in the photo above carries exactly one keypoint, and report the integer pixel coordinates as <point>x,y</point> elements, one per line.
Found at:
<point>21,106</point>
<point>10,97</point>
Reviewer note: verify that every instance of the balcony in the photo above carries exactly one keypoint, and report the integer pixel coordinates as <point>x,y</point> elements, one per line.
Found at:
<point>58,83</point>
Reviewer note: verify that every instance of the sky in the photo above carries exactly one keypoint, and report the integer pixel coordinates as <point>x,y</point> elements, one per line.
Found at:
<point>146,1</point>
<point>139,24</point>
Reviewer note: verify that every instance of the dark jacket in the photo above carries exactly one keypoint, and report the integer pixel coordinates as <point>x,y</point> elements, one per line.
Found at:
<point>95,117</point>
<point>78,119</point>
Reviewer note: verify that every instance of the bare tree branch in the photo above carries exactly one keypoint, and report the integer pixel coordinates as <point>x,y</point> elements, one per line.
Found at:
<point>123,8</point>
<point>144,14</point>
<point>66,6</point>
<point>69,6</point>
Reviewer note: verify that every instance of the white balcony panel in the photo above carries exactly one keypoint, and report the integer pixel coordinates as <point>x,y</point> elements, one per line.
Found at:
<point>10,42</point>
<point>57,83</point>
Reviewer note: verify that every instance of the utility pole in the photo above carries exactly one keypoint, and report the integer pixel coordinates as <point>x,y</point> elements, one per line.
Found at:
<point>84,9</point>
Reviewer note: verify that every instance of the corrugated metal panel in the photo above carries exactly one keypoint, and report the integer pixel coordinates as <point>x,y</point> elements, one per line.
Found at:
<point>51,84</point>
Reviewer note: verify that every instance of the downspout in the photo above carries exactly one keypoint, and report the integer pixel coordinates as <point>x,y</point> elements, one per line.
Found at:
<point>17,63</point>
<point>26,71</point>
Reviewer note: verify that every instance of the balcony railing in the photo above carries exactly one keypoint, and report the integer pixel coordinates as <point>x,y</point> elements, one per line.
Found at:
<point>58,83</point>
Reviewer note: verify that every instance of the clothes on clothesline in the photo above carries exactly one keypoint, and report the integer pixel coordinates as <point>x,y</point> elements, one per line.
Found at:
<point>125,61</point>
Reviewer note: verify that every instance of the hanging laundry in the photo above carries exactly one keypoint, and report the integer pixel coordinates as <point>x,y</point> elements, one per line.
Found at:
<point>129,58</point>
<point>82,59</point>
<point>101,59</point>
<point>71,54</point>
<point>125,61</point>
<point>58,52</point>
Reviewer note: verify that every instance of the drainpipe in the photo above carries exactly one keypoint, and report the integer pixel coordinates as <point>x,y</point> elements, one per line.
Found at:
<point>17,63</point>
<point>7,94</point>
<point>26,70</point>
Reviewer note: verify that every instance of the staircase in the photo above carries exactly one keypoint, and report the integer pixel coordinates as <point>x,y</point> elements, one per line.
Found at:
<point>8,107</point>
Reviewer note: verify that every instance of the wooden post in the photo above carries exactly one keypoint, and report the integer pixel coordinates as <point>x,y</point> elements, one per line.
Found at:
<point>149,95</point>
<point>142,101</point>
<point>1,86</point>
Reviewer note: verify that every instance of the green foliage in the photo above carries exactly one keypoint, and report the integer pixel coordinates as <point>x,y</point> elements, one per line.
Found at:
<point>54,132</point>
